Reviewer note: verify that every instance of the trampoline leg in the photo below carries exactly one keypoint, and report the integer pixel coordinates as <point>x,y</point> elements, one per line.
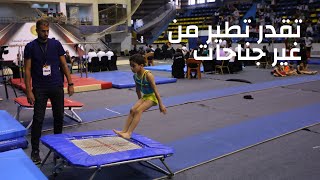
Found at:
<point>17,116</point>
<point>30,123</point>
<point>54,171</point>
<point>167,167</point>
<point>73,116</point>
<point>169,172</point>
<point>94,174</point>
<point>45,159</point>
<point>55,157</point>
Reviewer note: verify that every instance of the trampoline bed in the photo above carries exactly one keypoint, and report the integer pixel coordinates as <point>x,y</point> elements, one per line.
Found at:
<point>97,149</point>
<point>69,104</point>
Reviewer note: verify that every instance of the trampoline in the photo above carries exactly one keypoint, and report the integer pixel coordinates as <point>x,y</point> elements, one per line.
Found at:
<point>98,149</point>
<point>69,104</point>
<point>80,84</point>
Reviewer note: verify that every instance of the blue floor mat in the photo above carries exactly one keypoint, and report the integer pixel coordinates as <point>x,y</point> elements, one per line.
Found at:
<point>210,145</point>
<point>314,61</point>
<point>124,79</point>
<point>15,164</point>
<point>166,68</point>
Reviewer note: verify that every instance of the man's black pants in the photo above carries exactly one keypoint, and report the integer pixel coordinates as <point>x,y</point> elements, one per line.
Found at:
<point>56,96</point>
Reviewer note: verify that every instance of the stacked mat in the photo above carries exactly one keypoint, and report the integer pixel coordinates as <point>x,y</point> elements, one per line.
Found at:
<point>16,165</point>
<point>12,133</point>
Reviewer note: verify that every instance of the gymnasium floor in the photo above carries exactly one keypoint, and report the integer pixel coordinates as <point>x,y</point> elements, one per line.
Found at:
<point>192,127</point>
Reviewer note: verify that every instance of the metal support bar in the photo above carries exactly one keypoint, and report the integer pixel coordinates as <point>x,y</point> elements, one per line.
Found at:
<point>95,173</point>
<point>45,159</point>
<point>73,116</point>
<point>54,171</point>
<point>169,172</point>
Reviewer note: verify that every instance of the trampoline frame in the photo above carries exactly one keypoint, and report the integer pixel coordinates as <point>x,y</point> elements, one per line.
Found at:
<point>65,163</point>
<point>73,115</point>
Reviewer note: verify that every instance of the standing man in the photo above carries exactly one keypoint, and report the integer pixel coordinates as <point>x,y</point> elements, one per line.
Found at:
<point>45,64</point>
<point>308,43</point>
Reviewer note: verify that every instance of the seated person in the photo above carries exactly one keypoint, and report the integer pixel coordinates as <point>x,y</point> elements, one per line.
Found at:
<point>134,50</point>
<point>279,71</point>
<point>178,64</point>
<point>109,54</point>
<point>15,66</point>
<point>149,56</point>
<point>69,60</point>
<point>100,53</point>
<point>235,65</point>
<point>158,53</point>
<point>90,55</point>
<point>289,70</point>
<point>284,70</point>
<point>208,65</point>
<point>302,69</point>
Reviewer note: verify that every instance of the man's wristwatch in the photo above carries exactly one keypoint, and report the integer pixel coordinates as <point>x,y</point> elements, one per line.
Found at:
<point>70,84</point>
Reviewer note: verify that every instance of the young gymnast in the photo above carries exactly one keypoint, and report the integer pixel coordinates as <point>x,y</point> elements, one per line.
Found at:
<point>144,83</point>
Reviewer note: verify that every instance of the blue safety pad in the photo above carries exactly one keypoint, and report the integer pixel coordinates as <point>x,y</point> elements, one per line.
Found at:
<point>314,61</point>
<point>15,164</point>
<point>214,144</point>
<point>166,68</point>
<point>15,143</point>
<point>124,79</point>
<point>61,144</point>
<point>10,127</point>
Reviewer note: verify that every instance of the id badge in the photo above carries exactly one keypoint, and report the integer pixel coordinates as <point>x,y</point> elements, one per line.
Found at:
<point>46,70</point>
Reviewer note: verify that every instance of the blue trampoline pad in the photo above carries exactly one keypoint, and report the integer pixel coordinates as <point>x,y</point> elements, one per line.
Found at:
<point>15,164</point>
<point>102,148</point>
<point>166,68</point>
<point>123,79</point>
<point>15,143</point>
<point>10,127</point>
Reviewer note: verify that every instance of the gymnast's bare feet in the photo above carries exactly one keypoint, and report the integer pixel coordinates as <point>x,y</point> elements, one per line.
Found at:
<point>125,135</point>
<point>117,132</point>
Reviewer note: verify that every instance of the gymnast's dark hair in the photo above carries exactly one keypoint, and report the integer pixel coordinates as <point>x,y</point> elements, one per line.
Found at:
<point>137,58</point>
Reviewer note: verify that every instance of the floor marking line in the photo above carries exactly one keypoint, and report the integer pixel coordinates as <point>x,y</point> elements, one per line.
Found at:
<point>112,111</point>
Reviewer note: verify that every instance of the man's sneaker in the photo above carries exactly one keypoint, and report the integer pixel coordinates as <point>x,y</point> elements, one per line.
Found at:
<point>35,157</point>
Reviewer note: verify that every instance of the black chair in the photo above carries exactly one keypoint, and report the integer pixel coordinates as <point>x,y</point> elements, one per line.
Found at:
<point>105,63</point>
<point>95,65</point>
<point>235,66</point>
<point>178,66</point>
<point>208,66</point>
<point>113,63</point>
